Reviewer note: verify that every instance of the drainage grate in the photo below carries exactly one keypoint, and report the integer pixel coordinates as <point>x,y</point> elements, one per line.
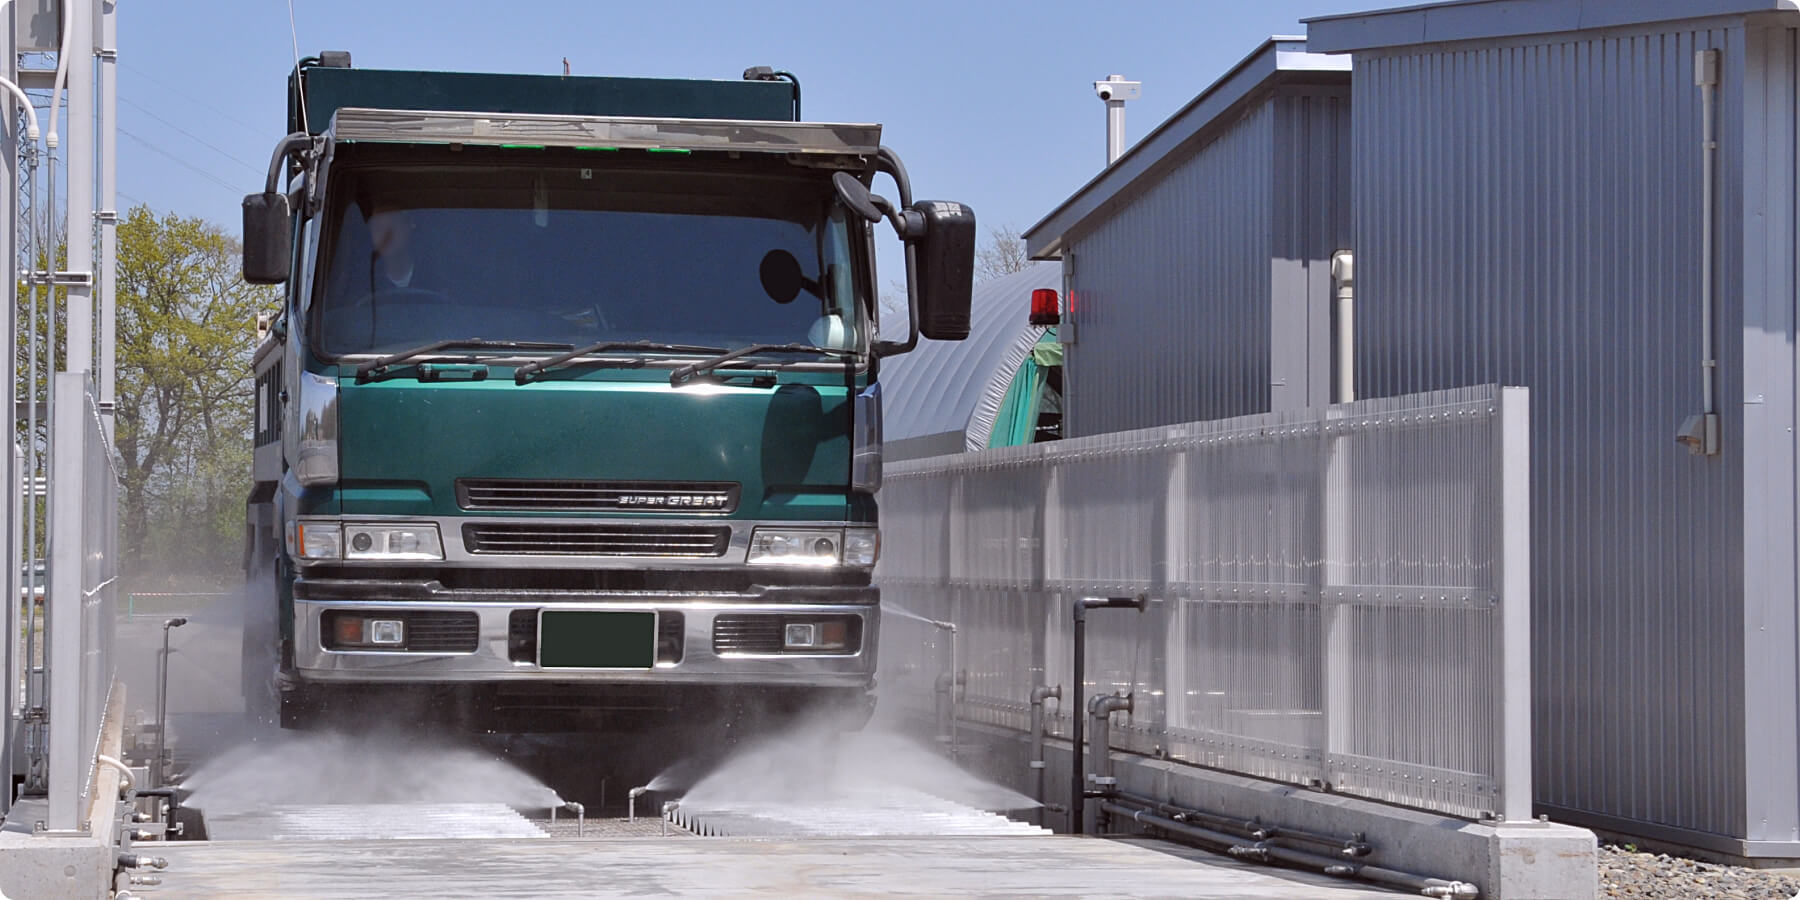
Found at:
<point>885,812</point>
<point>371,821</point>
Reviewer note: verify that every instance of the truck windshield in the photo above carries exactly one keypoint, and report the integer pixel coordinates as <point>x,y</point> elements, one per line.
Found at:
<point>582,253</point>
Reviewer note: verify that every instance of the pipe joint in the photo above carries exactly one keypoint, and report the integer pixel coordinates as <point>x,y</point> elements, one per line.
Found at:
<point>1254,852</point>
<point>1105,705</point>
<point>1045,692</point>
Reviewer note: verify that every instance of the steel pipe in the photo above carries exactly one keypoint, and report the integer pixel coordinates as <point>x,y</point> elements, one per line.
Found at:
<point>1077,771</point>
<point>1267,853</point>
<point>631,802</point>
<point>1039,724</point>
<point>580,816</point>
<point>1100,710</point>
<point>1353,846</point>
<point>162,701</point>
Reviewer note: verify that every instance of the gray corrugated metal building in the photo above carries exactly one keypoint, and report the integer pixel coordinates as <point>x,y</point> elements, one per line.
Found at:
<point>1529,209</point>
<point>1523,185</point>
<point>1196,267</point>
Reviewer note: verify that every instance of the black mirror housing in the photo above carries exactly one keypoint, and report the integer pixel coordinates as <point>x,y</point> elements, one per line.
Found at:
<point>268,238</point>
<point>945,268</point>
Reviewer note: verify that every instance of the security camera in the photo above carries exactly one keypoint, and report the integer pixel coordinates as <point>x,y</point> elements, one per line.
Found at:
<point>1115,87</point>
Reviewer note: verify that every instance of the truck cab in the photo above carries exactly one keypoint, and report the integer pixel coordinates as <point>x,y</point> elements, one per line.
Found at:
<point>571,417</point>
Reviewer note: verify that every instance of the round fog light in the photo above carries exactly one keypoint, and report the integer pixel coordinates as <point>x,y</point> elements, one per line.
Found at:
<point>362,542</point>
<point>824,547</point>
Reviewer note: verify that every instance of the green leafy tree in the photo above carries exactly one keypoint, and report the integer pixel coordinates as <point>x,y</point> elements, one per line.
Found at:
<point>186,334</point>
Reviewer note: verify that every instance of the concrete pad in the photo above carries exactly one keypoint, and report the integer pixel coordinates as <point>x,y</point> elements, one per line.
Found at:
<point>847,867</point>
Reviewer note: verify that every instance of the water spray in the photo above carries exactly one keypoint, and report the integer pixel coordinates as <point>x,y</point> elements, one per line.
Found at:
<point>668,814</point>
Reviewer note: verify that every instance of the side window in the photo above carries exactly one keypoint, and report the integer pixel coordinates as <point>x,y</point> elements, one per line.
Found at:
<point>303,269</point>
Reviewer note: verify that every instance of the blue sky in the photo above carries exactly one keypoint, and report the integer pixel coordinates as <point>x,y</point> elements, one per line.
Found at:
<point>988,102</point>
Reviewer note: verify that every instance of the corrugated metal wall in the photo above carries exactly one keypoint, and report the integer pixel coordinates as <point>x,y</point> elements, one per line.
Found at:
<point>1172,294</point>
<point>1528,213</point>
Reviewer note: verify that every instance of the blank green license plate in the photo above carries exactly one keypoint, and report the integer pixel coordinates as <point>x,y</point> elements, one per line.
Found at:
<point>596,639</point>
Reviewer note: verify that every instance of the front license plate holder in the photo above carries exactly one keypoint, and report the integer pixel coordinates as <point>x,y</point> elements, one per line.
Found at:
<point>596,639</point>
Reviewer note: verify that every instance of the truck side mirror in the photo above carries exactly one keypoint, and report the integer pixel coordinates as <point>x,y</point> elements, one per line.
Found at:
<point>268,238</point>
<point>946,268</point>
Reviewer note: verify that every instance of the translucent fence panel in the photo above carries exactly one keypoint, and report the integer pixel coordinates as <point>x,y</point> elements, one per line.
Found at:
<point>84,480</point>
<point>1337,597</point>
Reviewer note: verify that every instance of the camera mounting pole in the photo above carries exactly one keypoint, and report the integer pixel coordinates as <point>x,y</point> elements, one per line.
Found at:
<point>1114,91</point>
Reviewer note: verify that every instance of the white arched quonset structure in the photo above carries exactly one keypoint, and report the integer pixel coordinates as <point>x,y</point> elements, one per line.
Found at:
<point>944,396</point>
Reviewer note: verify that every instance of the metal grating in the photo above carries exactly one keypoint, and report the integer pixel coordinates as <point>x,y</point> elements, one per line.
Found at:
<point>883,812</point>
<point>372,821</point>
<point>559,495</point>
<point>598,539</point>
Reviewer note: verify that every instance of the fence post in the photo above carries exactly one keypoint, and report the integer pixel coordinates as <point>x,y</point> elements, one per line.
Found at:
<point>63,627</point>
<point>1515,604</point>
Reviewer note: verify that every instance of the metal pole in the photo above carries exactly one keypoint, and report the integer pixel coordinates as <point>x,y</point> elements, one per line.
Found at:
<point>109,209</point>
<point>68,760</point>
<point>80,218</point>
<point>162,702</point>
<point>1114,91</point>
<point>1078,768</point>
<point>9,329</point>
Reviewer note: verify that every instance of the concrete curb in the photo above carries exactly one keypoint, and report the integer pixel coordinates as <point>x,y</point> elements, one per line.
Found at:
<point>1507,861</point>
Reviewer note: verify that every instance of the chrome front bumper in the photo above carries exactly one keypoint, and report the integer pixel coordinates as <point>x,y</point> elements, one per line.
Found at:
<point>491,662</point>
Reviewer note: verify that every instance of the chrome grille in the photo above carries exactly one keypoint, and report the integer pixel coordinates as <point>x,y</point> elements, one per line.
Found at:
<point>596,539</point>
<point>747,634</point>
<point>596,496</point>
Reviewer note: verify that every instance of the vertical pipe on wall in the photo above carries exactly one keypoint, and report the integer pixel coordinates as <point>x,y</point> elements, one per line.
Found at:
<point>1343,281</point>
<point>1701,433</point>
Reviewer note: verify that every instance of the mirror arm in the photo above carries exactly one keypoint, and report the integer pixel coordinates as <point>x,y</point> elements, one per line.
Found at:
<point>886,160</point>
<point>289,145</point>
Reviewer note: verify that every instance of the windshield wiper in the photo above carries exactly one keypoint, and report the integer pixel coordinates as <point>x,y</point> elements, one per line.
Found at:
<point>375,368</point>
<point>688,371</point>
<point>531,369</point>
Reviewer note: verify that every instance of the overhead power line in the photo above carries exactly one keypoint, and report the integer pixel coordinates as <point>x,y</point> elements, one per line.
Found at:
<point>254,169</point>
<point>234,189</point>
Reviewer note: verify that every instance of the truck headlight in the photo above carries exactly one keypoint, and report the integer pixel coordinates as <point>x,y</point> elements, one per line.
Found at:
<point>813,546</point>
<point>412,540</point>
<point>315,540</point>
<point>320,540</point>
<point>796,546</point>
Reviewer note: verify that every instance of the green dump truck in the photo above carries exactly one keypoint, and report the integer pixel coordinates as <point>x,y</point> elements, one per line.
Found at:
<point>570,419</point>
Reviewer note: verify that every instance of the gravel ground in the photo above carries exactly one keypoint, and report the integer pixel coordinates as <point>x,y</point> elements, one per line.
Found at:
<point>1628,872</point>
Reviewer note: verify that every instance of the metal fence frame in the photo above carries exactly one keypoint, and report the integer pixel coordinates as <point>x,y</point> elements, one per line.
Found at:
<point>82,596</point>
<point>1339,596</point>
